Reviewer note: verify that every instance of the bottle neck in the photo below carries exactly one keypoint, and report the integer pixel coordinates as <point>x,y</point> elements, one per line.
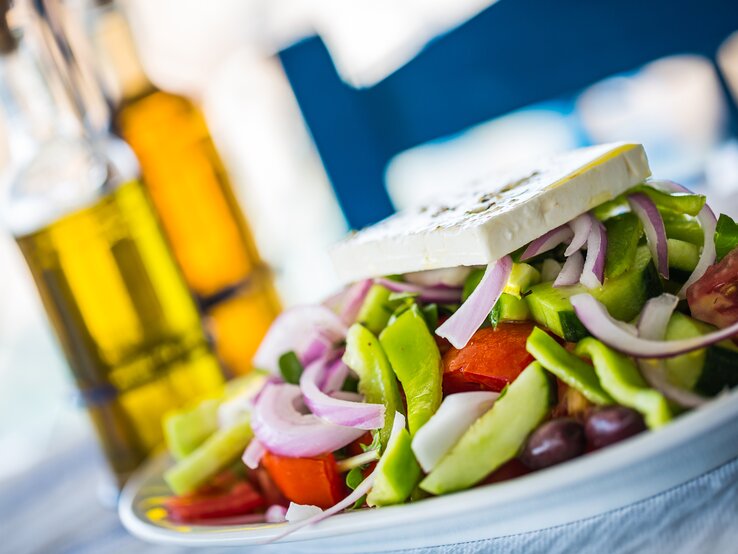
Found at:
<point>74,160</point>
<point>27,103</point>
<point>117,60</point>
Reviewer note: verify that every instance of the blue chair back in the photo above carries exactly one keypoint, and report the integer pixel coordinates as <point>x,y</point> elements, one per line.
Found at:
<point>513,54</point>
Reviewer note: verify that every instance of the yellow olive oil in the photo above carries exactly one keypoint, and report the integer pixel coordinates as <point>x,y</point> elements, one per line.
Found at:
<point>125,318</point>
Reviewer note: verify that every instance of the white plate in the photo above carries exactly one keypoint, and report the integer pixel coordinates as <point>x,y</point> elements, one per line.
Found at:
<point>631,471</point>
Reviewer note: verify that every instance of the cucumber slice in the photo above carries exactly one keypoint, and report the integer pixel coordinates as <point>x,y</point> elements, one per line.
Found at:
<point>683,227</point>
<point>707,371</point>
<point>185,430</point>
<point>496,437</point>
<point>623,233</point>
<point>509,308</point>
<point>566,366</point>
<point>623,296</point>
<point>682,255</point>
<point>220,450</point>
<point>522,277</point>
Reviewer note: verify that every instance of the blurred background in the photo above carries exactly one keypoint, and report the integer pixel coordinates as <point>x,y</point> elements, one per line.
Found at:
<point>266,129</point>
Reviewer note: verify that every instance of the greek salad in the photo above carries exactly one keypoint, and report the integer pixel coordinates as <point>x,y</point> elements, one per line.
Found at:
<point>407,386</point>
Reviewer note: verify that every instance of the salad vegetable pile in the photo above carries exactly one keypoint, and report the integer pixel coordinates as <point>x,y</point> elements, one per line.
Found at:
<point>407,386</point>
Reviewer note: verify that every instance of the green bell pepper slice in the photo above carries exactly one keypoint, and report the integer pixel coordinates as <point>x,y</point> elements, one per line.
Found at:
<point>572,370</point>
<point>679,202</point>
<point>619,376</point>
<point>376,309</point>
<point>397,473</point>
<point>377,381</point>
<point>415,359</point>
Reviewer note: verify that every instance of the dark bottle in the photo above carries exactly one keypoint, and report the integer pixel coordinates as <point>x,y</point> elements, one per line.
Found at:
<point>191,192</point>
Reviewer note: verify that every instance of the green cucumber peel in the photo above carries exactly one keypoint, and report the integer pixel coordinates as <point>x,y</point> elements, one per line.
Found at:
<point>497,436</point>
<point>220,450</point>
<point>624,231</point>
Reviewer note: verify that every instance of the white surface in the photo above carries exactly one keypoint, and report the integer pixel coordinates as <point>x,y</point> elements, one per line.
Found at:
<point>606,480</point>
<point>491,218</point>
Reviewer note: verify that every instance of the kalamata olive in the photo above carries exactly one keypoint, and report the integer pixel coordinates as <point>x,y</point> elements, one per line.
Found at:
<point>612,424</point>
<point>553,442</point>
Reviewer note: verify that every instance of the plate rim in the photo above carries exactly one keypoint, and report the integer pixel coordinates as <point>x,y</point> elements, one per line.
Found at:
<point>631,451</point>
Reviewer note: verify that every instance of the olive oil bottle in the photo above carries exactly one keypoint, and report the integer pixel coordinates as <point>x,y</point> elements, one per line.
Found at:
<point>192,195</point>
<point>115,296</point>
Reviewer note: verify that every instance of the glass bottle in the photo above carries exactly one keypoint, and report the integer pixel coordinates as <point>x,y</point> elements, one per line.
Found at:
<point>112,290</point>
<point>191,192</point>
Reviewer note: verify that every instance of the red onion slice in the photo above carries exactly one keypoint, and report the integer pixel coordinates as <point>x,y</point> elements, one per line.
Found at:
<point>455,415</point>
<point>361,490</point>
<point>353,300</point>
<point>593,272</point>
<point>440,294</point>
<point>253,454</point>
<point>597,321</point>
<point>283,429</point>
<point>275,514</point>
<point>571,273</point>
<point>708,221</point>
<point>334,376</point>
<point>581,226</point>
<point>547,241</point>
<point>655,316</point>
<point>316,348</point>
<point>653,225</point>
<point>652,325</point>
<point>296,330</point>
<point>460,327</point>
<point>360,415</point>
<point>447,277</point>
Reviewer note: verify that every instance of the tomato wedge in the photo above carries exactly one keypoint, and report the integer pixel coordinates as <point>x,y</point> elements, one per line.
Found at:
<point>314,481</point>
<point>226,496</point>
<point>714,297</point>
<point>492,359</point>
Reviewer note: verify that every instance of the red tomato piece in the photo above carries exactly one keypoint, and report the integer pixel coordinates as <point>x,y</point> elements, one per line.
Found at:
<point>221,499</point>
<point>313,481</point>
<point>714,297</point>
<point>354,449</point>
<point>492,359</point>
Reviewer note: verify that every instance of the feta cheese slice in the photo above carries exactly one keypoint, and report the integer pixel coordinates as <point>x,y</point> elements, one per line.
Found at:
<point>492,217</point>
